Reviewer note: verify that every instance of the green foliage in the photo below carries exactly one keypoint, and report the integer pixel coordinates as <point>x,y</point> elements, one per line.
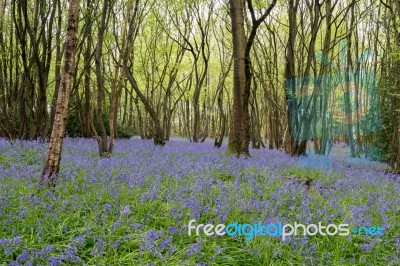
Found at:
<point>388,85</point>
<point>125,132</point>
<point>303,175</point>
<point>74,128</point>
<point>223,176</point>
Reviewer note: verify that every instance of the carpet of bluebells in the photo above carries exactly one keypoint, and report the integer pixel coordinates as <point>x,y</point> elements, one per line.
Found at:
<point>133,207</point>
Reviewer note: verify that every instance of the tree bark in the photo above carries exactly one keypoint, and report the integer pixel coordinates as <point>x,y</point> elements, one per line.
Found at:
<point>239,135</point>
<point>52,164</point>
<point>239,77</point>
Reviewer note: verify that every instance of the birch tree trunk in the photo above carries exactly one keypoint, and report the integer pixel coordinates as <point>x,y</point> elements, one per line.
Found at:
<point>52,164</point>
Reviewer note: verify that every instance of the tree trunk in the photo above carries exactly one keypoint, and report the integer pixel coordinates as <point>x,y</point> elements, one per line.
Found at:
<point>290,75</point>
<point>239,137</point>
<point>239,77</point>
<point>102,136</point>
<point>52,164</point>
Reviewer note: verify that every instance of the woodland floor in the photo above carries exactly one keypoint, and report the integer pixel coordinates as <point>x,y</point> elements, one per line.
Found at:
<point>134,207</point>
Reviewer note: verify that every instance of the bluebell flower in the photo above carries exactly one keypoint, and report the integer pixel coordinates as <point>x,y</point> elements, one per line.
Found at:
<point>165,242</point>
<point>126,211</point>
<point>80,239</point>
<point>218,249</point>
<point>49,248</point>
<point>54,261</point>
<point>22,214</point>
<point>194,248</point>
<point>23,256</point>
<point>107,207</point>
<point>16,241</point>
<point>117,244</point>
<point>173,230</point>
<point>8,251</point>
<point>3,242</point>
<point>367,246</point>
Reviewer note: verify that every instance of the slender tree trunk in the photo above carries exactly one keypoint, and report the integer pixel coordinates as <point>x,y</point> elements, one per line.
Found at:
<point>52,164</point>
<point>349,119</point>
<point>102,136</point>
<point>87,62</point>
<point>290,75</point>
<point>57,67</point>
<point>158,135</point>
<point>324,97</point>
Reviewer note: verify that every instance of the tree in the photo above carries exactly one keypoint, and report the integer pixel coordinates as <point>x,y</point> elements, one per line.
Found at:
<point>134,25</point>
<point>239,135</point>
<point>102,140</point>
<point>389,139</point>
<point>52,164</point>
<point>160,69</point>
<point>239,78</point>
